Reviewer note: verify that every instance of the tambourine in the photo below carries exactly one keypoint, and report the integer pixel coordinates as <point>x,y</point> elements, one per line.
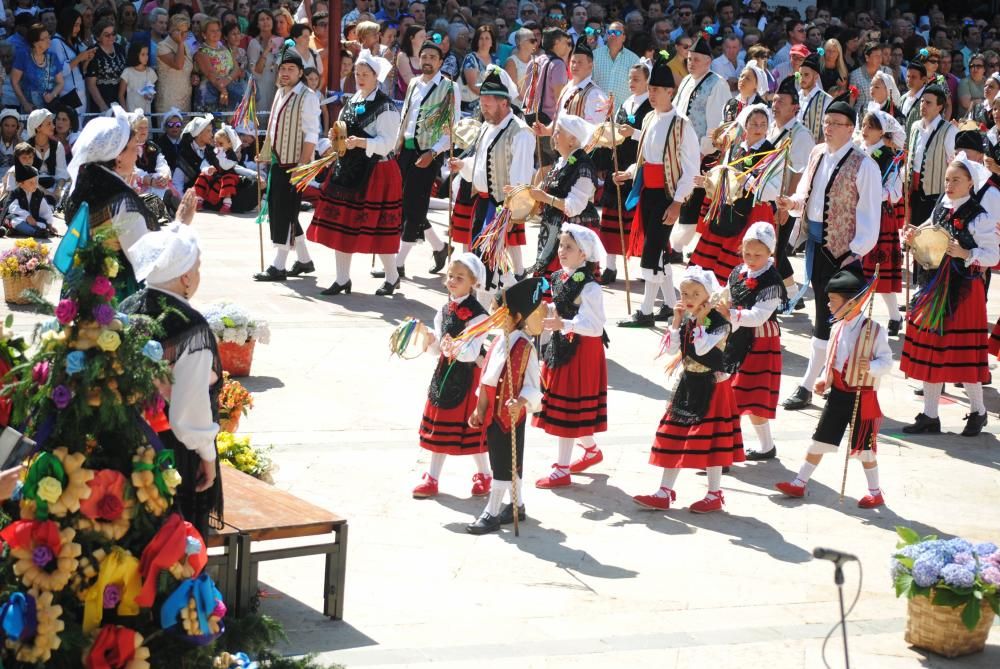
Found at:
<point>465,132</point>
<point>601,139</point>
<point>519,203</point>
<point>409,339</point>
<point>930,245</point>
<point>338,137</point>
<point>714,179</point>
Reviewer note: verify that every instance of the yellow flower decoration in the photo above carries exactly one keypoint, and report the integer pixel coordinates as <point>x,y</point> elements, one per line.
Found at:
<point>172,478</point>
<point>47,634</point>
<point>77,478</point>
<point>50,489</point>
<point>111,267</point>
<point>109,341</point>
<point>34,576</point>
<point>119,569</point>
<point>144,481</point>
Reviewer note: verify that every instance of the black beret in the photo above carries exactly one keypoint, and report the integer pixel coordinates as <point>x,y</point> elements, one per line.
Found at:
<point>841,107</point>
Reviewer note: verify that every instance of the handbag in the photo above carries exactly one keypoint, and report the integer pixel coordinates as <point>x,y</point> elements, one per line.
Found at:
<point>71,100</point>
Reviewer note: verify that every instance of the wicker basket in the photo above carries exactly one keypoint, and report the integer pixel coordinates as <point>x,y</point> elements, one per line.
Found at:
<point>237,358</point>
<point>14,286</point>
<point>940,630</point>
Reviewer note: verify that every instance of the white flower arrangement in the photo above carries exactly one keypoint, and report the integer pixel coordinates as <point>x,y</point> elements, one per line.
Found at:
<point>231,323</point>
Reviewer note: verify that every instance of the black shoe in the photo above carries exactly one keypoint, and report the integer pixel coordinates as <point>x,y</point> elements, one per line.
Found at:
<point>507,514</point>
<point>638,320</point>
<point>272,273</point>
<point>894,327</point>
<point>305,206</point>
<point>974,424</point>
<point>924,424</point>
<point>484,524</point>
<point>756,456</point>
<point>380,274</point>
<point>608,277</point>
<point>299,268</point>
<point>388,288</point>
<point>664,313</point>
<point>440,258</point>
<point>675,258</point>
<point>338,288</point>
<point>520,277</point>
<point>800,305</point>
<point>800,399</point>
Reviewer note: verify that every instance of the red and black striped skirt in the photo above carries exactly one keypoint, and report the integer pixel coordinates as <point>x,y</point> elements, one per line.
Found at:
<point>362,222</point>
<point>715,441</point>
<point>888,252</point>
<point>575,394</point>
<point>447,430</point>
<point>756,384</point>
<point>721,254</point>
<point>461,213</point>
<point>215,188</point>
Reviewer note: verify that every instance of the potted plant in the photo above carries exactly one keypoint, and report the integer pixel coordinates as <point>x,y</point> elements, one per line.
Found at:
<point>237,334</point>
<point>951,585</point>
<point>235,401</point>
<point>238,453</point>
<point>25,267</point>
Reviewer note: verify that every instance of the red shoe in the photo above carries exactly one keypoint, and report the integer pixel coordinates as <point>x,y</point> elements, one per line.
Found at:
<point>709,505</point>
<point>591,456</point>
<point>226,208</point>
<point>871,501</point>
<point>790,489</point>
<point>656,502</point>
<point>481,484</point>
<point>199,203</point>
<point>429,488</point>
<point>555,480</point>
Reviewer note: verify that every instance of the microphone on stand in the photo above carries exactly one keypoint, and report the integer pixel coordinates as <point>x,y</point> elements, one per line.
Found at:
<point>834,556</point>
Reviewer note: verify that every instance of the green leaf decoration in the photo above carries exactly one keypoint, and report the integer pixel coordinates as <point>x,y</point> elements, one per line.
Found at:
<point>228,322</point>
<point>907,535</point>
<point>971,614</point>
<point>903,584</point>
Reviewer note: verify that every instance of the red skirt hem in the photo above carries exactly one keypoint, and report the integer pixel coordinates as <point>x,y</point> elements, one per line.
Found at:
<point>447,430</point>
<point>610,235</point>
<point>369,222</point>
<point>575,394</point>
<point>716,441</point>
<point>720,254</point>
<point>888,254</point>
<point>757,383</point>
<point>217,187</point>
<point>995,339</point>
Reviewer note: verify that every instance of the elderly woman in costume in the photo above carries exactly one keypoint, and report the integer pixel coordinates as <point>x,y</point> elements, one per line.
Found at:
<point>883,138</point>
<point>360,205</point>
<point>104,159</point>
<point>152,172</point>
<point>718,249</point>
<point>567,192</point>
<point>169,262</point>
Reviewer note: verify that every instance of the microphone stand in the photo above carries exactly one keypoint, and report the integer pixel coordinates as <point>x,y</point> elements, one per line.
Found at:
<point>838,579</point>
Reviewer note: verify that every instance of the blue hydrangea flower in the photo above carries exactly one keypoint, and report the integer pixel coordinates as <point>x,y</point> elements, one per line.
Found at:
<point>75,362</point>
<point>965,559</point>
<point>958,576</point>
<point>985,549</point>
<point>992,575</point>
<point>927,570</point>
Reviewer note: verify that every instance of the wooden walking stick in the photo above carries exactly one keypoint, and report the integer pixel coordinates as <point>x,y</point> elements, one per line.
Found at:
<point>906,222</point>
<point>260,228</point>
<point>618,191</point>
<point>513,433</point>
<point>857,396</point>
<point>451,182</point>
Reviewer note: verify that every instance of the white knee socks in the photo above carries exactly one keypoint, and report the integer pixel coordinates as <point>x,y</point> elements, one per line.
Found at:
<point>433,239</point>
<point>404,251</point>
<point>389,265</point>
<point>805,472</point>
<point>611,263</point>
<point>975,393</point>
<point>301,250</point>
<point>516,258</point>
<point>437,464</point>
<point>497,492</point>
<point>892,305</point>
<point>681,235</point>
<point>565,452</point>
<point>280,256</point>
<point>872,476</point>
<point>714,478</point>
<point>667,287</point>
<point>343,261</point>
<point>764,436</point>
<point>650,289</point>
<point>482,461</point>
<point>816,359</point>
<point>932,396</point>
<point>667,482</point>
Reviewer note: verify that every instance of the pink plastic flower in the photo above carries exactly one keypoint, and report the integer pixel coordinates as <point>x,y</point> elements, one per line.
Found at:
<point>40,372</point>
<point>102,286</point>
<point>66,311</point>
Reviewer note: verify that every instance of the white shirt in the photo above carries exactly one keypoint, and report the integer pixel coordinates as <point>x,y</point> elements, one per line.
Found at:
<point>761,311</point>
<point>990,200</point>
<point>225,164</point>
<point>61,173</point>
<point>19,215</point>
<point>594,107</point>
<point>909,99</point>
<point>589,320</point>
<point>846,339</point>
<point>804,99</point>
<point>723,67</point>
<point>531,390</point>
<point>984,232</point>
<point>701,339</point>
<point>802,143</point>
<point>470,351</point>
<point>767,191</point>
<point>717,100</point>
<point>386,127</point>
<point>924,132</point>
<point>309,118</point>
<point>580,194</point>
<point>653,147</point>
<point>420,90</point>
<point>892,188</point>
<point>522,165</point>
<point>869,208</point>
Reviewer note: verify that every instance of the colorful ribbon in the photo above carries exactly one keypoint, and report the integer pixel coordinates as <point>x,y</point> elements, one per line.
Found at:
<point>118,569</point>
<point>168,546</point>
<point>164,460</point>
<point>19,617</point>
<point>45,465</point>
<point>206,598</point>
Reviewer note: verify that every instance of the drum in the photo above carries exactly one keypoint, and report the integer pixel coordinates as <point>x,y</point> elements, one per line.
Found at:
<point>601,139</point>
<point>714,177</point>
<point>519,203</point>
<point>465,133</point>
<point>929,246</point>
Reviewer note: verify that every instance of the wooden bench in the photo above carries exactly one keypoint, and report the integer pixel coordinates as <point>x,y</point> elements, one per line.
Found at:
<point>226,539</point>
<point>258,512</point>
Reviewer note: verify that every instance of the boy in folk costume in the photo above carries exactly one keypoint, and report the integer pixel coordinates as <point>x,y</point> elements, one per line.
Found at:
<point>451,396</point>
<point>664,177</point>
<point>857,357</point>
<point>509,390</point>
<point>701,427</point>
<point>575,374</point>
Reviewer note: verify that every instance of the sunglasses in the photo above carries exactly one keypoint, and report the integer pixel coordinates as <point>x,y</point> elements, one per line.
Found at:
<point>976,66</point>
<point>556,17</point>
<point>111,34</point>
<point>174,124</point>
<point>615,33</point>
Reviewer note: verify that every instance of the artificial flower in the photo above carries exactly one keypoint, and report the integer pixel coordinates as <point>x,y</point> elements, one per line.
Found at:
<point>111,267</point>
<point>123,317</point>
<point>359,109</point>
<point>631,119</point>
<point>957,224</point>
<point>50,489</point>
<point>464,313</point>
<point>104,314</point>
<point>151,488</point>
<point>102,287</point>
<point>225,660</point>
<point>117,647</point>
<point>40,624</point>
<point>109,341</point>
<point>578,277</point>
<point>571,160</point>
<point>67,468</point>
<point>44,556</point>
<point>107,510</point>
<point>167,550</point>
<point>75,362</point>
<point>61,396</point>
<point>877,153</point>
<point>196,605</point>
<point>172,478</point>
<point>40,372</point>
<point>153,350</point>
<point>118,582</point>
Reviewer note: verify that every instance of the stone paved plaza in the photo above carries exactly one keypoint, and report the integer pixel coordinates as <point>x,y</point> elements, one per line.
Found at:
<point>593,581</point>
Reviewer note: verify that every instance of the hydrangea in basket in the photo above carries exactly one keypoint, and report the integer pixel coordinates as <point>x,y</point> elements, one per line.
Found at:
<point>235,401</point>
<point>25,267</point>
<point>237,333</point>
<point>951,585</point>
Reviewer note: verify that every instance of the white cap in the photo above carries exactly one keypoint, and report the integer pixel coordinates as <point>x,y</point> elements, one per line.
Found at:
<point>891,128</point>
<point>36,118</point>
<point>173,112</point>
<point>702,276</point>
<point>234,139</point>
<point>741,120</point>
<point>577,127</point>
<point>102,139</point>
<point>9,113</point>
<point>588,241</point>
<point>760,76</point>
<point>980,175</point>
<point>475,265</point>
<point>379,65</point>
<point>161,256</point>
<point>197,125</point>
<point>763,232</point>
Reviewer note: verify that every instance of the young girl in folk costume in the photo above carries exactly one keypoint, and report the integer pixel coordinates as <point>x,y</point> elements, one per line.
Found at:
<point>857,357</point>
<point>753,350</point>
<point>882,135</point>
<point>575,372</point>
<point>219,180</point>
<point>701,427</point>
<point>509,385</point>
<point>627,124</point>
<point>718,248</point>
<point>451,396</point>
<point>950,345</point>
<point>567,191</point>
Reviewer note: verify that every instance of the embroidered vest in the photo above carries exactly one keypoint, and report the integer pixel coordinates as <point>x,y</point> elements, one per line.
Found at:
<point>351,172</point>
<point>425,136</point>
<point>499,156</point>
<point>693,395</point>
<point>812,115</point>
<point>695,107</point>
<point>576,102</point>
<point>49,164</point>
<point>913,115</point>
<point>744,293</point>
<point>566,297</point>
<point>286,142</point>
<point>864,347</point>
<point>671,150</point>
<point>933,162</point>
<point>33,204</point>
<point>508,389</point>
<point>452,380</point>
<point>736,105</point>
<point>840,200</point>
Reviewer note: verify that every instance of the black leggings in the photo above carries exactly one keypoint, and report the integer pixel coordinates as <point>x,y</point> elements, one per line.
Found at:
<point>498,441</point>
<point>417,184</point>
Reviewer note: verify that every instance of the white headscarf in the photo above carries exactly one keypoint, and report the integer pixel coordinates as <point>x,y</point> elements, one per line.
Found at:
<point>161,256</point>
<point>102,139</point>
<point>475,265</point>
<point>135,117</point>
<point>36,118</point>
<point>891,128</point>
<point>10,113</point>
<point>762,232</point>
<point>173,112</point>
<point>197,125</point>
<point>379,65</point>
<point>234,138</point>
<point>702,276</point>
<point>980,174</point>
<point>741,120</point>
<point>577,127</point>
<point>588,241</point>
<point>890,85</point>
<point>760,76</point>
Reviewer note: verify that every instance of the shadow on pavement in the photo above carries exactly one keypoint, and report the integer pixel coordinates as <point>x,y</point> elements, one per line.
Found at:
<point>257,384</point>
<point>625,380</point>
<point>307,629</point>
<point>547,544</point>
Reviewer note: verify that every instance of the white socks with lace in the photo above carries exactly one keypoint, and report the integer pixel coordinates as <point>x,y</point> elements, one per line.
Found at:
<point>932,396</point>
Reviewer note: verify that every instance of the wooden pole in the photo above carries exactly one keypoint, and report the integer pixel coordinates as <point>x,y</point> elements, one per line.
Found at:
<point>906,222</point>
<point>618,190</point>
<point>857,396</point>
<point>260,224</point>
<point>451,176</point>
<point>513,433</point>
